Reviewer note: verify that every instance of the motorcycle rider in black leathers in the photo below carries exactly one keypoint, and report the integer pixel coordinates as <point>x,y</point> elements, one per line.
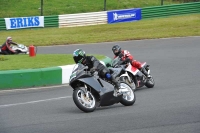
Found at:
<point>95,65</point>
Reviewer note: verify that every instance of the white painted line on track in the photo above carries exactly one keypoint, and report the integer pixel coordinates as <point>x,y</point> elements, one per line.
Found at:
<point>126,41</point>
<point>36,88</point>
<point>32,102</point>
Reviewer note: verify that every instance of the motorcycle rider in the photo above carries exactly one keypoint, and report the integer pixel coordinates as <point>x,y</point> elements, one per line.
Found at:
<point>6,49</point>
<point>127,57</point>
<point>93,64</point>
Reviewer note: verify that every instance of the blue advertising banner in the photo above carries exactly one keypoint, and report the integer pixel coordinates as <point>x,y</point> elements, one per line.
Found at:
<point>24,22</point>
<point>126,15</point>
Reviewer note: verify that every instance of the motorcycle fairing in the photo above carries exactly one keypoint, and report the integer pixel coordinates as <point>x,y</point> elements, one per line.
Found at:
<point>105,92</point>
<point>94,83</point>
<point>22,48</point>
<point>132,69</point>
<point>137,75</point>
<point>108,99</point>
<point>76,75</point>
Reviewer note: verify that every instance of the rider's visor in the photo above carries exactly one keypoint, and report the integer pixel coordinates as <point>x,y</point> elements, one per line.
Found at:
<point>116,51</point>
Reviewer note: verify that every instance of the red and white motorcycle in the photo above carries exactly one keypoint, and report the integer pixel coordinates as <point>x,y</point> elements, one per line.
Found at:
<point>20,49</point>
<point>135,77</point>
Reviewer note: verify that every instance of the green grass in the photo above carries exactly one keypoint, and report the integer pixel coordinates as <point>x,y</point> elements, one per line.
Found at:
<point>19,8</point>
<point>176,26</point>
<point>16,62</point>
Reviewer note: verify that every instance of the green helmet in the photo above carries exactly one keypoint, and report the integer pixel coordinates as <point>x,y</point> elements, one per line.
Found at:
<point>79,55</point>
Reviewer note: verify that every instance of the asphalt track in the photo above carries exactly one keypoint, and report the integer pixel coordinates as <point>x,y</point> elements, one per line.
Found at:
<point>172,106</point>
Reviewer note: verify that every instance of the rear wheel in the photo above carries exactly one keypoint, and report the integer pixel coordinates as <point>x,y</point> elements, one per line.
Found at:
<point>85,101</point>
<point>128,93</point>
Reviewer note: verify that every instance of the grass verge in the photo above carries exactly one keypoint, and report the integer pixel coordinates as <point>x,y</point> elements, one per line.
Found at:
<point>176,26</point>
<point>16,62</point>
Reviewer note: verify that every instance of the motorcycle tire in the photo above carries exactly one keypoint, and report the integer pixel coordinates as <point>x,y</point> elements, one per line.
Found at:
<point>129,98</point>
<point>84,103</point>
<point>150,83</point>
<point>125,79</point>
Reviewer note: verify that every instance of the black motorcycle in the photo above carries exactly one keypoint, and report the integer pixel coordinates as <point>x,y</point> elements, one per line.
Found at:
<point>90,91</point>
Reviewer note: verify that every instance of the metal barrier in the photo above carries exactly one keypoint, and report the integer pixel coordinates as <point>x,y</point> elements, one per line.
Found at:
<point>94,18</point>
<point>51,21</point>
<point>82,19</point>
<point>170,10</point>
<point>2,24</point>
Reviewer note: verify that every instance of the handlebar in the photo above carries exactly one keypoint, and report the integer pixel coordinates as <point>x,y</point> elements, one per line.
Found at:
<point>90,72</point>
<point>120,62</point>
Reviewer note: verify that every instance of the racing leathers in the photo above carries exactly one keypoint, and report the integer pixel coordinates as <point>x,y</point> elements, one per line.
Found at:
<point>126,56</point>
<point>103,72</point>
<point>6,49</point>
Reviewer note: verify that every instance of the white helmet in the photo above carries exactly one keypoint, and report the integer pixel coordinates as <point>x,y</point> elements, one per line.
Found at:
<point>9,39</point>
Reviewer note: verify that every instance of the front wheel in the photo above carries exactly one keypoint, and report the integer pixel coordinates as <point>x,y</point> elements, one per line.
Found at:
<point>128,93</point>
<point>85,101</point>
<point>125,79</point>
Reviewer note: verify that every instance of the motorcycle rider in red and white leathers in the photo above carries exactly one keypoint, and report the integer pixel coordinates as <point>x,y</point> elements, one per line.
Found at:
<point>126,56</point>
<point>6,49</point>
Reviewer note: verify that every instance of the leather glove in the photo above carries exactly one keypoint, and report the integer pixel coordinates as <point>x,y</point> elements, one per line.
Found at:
<point>127,60</point>
<point>120,55</point>
<point>120,62</point>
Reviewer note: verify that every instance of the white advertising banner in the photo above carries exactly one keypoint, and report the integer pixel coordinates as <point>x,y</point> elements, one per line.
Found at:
<point>24,22</point>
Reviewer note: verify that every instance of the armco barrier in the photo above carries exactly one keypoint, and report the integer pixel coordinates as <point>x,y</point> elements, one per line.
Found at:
<point>95,18</point>
<point>2,24</point>
<point>170,10</point>
<point>82,19</point>
<point>51,21</point>
<point>15,79</point>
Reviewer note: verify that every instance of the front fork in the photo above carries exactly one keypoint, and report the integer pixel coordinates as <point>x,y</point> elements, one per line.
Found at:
<point>126,75</point>
<point>86,90</point>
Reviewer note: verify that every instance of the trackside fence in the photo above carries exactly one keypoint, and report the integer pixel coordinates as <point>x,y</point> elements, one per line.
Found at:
<point>51,21</point>
<point>170,10</point>
<point>96,18</point>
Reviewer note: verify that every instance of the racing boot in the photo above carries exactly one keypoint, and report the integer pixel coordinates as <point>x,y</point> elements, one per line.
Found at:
<point>144,71</point>
<point>116,87</point>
